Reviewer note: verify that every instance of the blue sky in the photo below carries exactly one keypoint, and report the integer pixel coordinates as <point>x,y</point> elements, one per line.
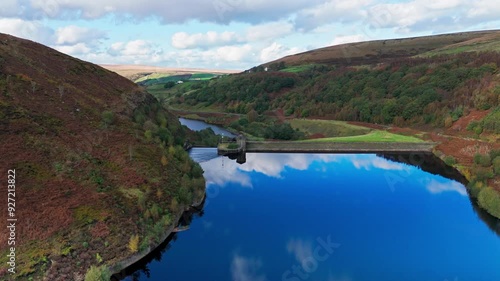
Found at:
<point>229,34</point>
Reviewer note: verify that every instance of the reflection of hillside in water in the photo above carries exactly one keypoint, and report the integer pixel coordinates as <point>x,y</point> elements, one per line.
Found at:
<point>134,272</point>
<point>432,164</point>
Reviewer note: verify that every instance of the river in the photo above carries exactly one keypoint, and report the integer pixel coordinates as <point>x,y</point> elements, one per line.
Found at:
<point>329,217</point>
<point>197,125</point>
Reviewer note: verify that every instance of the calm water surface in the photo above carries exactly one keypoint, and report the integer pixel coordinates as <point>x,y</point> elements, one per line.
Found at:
<point>328,218</point>
<point>196,125</point>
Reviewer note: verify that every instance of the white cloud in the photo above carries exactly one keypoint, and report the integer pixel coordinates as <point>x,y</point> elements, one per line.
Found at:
<point>276,51</point>
<point>72,34</point>
<point>237,47</point>
<point>436,187</point>
<point>183,40</point>
<point>9,8</point>
<point>246,269</point>
<point>253,34</point>
<point>32,30</point>
<point>444,4</point>
<point>233,53</point>
<point>348,39</point>
<point>483,10</point>
<point>272,30</point>
<point>417,14</point>
<point>135,52</point>
<point>331,11</point>
<point>73,50</point>
<point>222,11</point>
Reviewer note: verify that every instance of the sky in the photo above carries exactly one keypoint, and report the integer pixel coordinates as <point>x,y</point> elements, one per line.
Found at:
<point>229,34</point>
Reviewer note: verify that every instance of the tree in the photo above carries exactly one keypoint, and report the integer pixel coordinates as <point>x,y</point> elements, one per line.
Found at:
<point>133,243</point>
<point>169,85</point>
<point>100,273</point>
<point>252,116</point>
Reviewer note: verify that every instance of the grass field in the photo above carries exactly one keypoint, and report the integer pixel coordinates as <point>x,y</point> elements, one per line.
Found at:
<point>475,47</point>
<point>202,76</point>
<point>328,128</point>
<point>374,136</point>
<point>156,90</point>
<point>298,68</point>
<point>162,78</point>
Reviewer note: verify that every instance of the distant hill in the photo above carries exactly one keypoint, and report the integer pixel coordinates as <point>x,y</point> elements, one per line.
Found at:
<point>385,50</point>
<point>100,173</point>
<point>150,75</point>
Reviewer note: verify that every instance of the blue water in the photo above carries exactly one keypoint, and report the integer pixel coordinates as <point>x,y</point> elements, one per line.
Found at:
<point>196,125</point>
<point>329,218</point>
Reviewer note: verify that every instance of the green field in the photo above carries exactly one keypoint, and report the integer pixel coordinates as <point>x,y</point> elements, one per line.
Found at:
<point>328,128</point>
<point>162,78</point>
<point>158,90</point>
<point>203,76</point>
<point>374,136</point>
<point>298,68</point>
<point>483,46</point>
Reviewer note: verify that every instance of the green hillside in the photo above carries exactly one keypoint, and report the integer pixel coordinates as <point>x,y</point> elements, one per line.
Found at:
<point>444,88</point>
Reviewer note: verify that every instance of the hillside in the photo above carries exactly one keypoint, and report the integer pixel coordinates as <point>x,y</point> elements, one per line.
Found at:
<point>100,173</point>
<point>385,50</point>
<point>443,88</point>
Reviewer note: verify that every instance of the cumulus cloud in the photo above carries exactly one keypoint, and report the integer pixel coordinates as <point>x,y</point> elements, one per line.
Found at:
<point>246,269</point>
<point>72,34</point>
<point>483,10</point>
<point>221,11</point>
<point>331,11</point>
<point>32,30</point>
<point>136,51</point>
<point>272,30</point>
<point>436,187</point>
<point>235,48</point>
<point>237,56</point>
<point>348,39</point>
<point>417,14</point>
<point>9,8</point>
<point>74,50</point>
<point>276,51</point>
<point>183,40</point>
<point>254,34</point>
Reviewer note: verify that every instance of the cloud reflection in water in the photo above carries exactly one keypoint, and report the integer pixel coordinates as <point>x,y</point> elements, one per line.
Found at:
<point>221,171</point>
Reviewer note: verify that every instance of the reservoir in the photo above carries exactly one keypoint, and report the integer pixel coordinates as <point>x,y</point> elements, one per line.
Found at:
<point>329,217</point>
<point>197,125</point>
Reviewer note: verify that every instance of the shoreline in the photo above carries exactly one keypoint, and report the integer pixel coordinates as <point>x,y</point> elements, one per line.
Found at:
<point>120,267</point>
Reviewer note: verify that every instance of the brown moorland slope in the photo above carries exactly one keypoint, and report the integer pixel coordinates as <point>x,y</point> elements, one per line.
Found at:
<point>370,52</point>
<point>95,160</point>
